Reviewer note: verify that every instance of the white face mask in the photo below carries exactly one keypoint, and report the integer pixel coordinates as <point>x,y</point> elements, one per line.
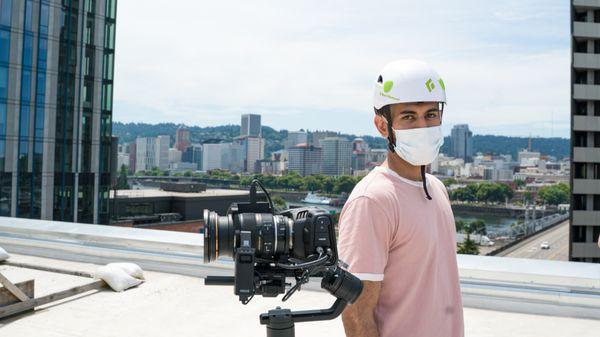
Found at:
<point>419,146</point>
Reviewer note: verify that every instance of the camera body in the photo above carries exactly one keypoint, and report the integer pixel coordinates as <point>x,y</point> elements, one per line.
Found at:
<point>268,247</point>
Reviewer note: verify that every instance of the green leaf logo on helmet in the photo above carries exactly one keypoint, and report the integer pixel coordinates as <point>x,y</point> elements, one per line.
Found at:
<point>387,86</point>
<point>429,84</point>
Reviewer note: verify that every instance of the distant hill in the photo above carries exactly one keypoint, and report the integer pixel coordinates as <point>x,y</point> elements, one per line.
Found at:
<point>487,144</point>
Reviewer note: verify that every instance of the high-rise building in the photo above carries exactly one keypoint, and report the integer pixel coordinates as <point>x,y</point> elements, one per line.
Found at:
<point>585,131</point>
<point>304,159</point>
<point>56,90</point>
<point>193,154</point>
<point>254,148</point>
<point>174,156</point>
<point>152,152</point>
<point>360,154</point>
<point>316,136</point>
<point>225,156</point>
<point>132,156</point>
<point>251,126</point>
<point>162,151</point>
<point>296,137</point>
<point>145,153</point>
<point>462,142</point>
<point>212,156</point>
<point>182,139</point>
<point>337,156</point>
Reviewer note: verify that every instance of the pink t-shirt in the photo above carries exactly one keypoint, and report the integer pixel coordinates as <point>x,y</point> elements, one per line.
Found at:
<point>390,232</point>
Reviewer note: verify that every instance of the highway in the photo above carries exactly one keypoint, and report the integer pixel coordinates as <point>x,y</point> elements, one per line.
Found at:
<point>558,239</point>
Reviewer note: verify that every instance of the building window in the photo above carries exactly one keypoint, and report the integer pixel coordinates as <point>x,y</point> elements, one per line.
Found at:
<point>5,9</point>
<point>597,108</point>
<point>596,202</point>
<point>596,234</point>
<point>580,77</point>
<point>596,170</point>
<point>580,171</point>
<point>578,233</point>
<point>580,16</point>
<point>3,82</point>
<point>596,139</point>
<point>581,46</point>
<point>581,107</point>
<point>4,46</point>
<point>580,139</point>
<point>5,192</point>
<point>580,202</point>
<point>596,77</point>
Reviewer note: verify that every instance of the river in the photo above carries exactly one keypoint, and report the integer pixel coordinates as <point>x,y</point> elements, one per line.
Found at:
<point>494,224</point>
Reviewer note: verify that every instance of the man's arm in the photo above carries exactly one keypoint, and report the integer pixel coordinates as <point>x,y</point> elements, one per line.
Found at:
<point>358,318</point>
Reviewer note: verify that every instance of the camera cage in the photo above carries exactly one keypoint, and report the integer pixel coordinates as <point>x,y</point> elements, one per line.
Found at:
<point>253,275</point>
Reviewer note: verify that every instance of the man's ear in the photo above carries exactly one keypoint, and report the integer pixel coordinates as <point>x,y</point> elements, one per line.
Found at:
<point>381,125</point>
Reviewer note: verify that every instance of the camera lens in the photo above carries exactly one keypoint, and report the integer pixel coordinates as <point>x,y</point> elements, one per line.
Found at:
<point>272,235</point>
<point>218,236</point>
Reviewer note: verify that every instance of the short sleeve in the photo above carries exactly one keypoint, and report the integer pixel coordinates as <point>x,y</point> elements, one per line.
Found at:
<point>364,238</point>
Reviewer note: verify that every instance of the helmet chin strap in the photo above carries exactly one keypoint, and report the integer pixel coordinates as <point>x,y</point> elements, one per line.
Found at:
<point>392,147</point>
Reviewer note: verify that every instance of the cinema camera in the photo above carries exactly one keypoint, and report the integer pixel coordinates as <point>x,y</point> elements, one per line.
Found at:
<point>267,248</point>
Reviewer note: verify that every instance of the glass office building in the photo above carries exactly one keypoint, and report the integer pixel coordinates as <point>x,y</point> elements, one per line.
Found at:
<point>56,89</point>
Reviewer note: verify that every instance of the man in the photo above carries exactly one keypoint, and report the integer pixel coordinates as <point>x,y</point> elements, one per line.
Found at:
<point>397,231</point>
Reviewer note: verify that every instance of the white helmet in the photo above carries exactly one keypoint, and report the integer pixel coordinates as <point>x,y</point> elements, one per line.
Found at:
<point>407,81</point>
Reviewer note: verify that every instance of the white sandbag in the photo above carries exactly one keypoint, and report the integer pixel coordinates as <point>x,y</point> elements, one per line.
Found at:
<point>131,269</point>
<point>3,254</point>
<point>116,278</point>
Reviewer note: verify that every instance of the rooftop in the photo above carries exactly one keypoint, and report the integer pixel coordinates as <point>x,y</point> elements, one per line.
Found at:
<point>502,296</point>
<point>156,193</point>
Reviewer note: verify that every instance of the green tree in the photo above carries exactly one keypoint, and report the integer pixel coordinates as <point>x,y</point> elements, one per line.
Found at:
<point>449,181</point>
<point>554,194</point>
<point>460,226</point>
<point>519,183</point>
<point>326,183</point>
<point>344,184</point>
<point>527,196</point>
<point>122,183</point>
<point>468,247</point>
<point>467,193</point>
<point>311,183</point>
<point>476,227</point>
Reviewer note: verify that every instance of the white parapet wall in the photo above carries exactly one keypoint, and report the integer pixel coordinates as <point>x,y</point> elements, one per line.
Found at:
<point>497,283</point>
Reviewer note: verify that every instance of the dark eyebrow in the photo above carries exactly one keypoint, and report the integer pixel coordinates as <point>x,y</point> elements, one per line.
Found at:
<point>407,112</point>
<point>432,110</point>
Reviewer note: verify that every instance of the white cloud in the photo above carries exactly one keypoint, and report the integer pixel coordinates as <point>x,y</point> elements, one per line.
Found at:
<point>310,64</point>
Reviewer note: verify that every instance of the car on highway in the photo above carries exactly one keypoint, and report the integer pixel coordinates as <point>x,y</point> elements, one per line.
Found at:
<point>544,245</point>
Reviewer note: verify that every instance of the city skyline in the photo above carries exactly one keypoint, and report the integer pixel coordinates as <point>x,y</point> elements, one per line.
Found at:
<point>508,76</point>
<point>446,130</point>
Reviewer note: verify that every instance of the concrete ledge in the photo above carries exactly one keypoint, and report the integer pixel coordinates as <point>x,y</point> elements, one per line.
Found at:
<point>560,288</point>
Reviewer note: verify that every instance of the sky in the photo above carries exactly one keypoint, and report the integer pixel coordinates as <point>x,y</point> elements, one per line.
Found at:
<point>312,64</point>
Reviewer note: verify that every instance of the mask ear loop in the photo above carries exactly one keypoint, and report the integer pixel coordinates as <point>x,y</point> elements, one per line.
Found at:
<point>391,141</point>
<point>423,178</point>
<point>424,182</point>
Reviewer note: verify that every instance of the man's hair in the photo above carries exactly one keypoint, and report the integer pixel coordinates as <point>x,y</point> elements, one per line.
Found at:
<point>384,111</point>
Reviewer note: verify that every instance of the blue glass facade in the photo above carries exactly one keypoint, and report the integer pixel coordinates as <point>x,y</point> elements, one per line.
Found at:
<point>56,114</point>
<point>24,176</point>
<point>106,109</point>
<point>5,175</point>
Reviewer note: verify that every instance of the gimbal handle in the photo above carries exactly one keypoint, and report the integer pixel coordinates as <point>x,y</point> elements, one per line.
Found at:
<point>304,315</point>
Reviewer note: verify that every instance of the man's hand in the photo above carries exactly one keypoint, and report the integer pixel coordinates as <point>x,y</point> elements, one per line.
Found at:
<point>358,318</point>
